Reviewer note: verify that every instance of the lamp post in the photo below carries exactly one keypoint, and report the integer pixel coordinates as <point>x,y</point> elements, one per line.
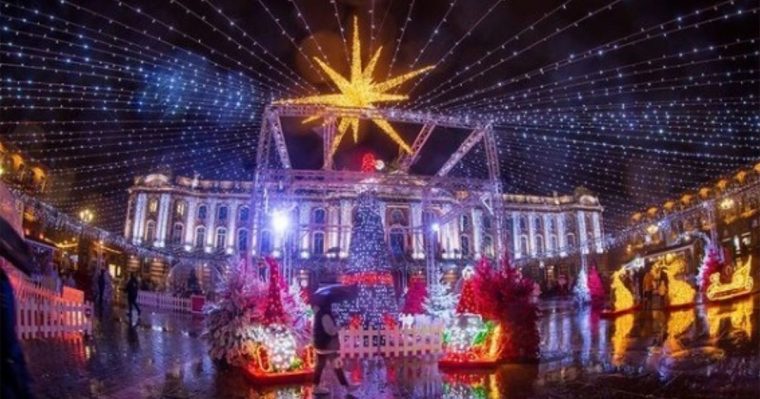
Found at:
<point>280,225</point>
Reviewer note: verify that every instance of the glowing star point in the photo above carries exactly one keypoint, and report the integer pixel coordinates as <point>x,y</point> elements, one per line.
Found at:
<point>359,91</point>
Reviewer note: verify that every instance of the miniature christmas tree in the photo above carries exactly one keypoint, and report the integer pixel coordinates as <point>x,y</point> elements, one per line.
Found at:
<point>413,304</point>
<point>273,312</point>
<point>581,289</point>
<point>369,267</point>
<point>468,302</point>
<point>441,302</point>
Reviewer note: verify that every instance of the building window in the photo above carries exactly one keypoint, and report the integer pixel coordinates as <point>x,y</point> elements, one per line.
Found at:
<point>524,245</point>
<point>221,237</point>
<point>397,242</point>
<point>553,244</point>
<point>318,244</point>
<point>570,241</point>
<point>177,233</point>
<point>153,205</point>
<point>397,217</point>
<point>539,245</point>
<point>523,224</point>
<point>150,231</point>
<point>244,214</point>
<point>266,242</point>
<point>465,222</point>
<point>200,236</point>
<point>552,225</point>
<point>202,210</point>
<point>464,242</point>
<point>242,240</point>
<point>488,246</point>
<point>222,213</point>
<point>320,216</point>
<point>179,208</point>
<point>487,222</point>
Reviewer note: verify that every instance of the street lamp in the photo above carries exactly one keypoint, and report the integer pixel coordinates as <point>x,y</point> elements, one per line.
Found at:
<point>86,215</point>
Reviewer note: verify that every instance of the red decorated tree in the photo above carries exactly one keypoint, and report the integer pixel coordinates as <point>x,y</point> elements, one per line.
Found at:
<point>415,297</point>
<point>273,310</point>
<point>468,300</point>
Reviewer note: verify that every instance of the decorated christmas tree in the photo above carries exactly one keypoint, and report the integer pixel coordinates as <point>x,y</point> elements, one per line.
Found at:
<point>413,303</point>
<point>595,286</point>
<point>369,267</point>
<point>441,302</point>
<point>581,289</point>
<point>468,301</point>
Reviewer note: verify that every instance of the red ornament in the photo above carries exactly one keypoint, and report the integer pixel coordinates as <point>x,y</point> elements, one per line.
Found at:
<point>368,162</point>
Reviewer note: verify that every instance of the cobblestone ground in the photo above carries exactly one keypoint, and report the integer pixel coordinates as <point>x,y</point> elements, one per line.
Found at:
<point>702,353</point>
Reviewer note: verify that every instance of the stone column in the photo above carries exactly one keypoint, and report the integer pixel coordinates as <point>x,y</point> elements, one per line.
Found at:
<point>139,222</point>
<point>304,221</point>
<point>211,226</point>
<point>128,222</point>
<point>417,231</point>
<point>163,220</point>
<point>561,234</point>
<point>345,225</point>
<point>516,235</point>
<point>232,217</point>
<point>192,204</point>
<point>532,233</point>
<point>547,217</point>
<point>477,232</point>
<point>582,237</point>
<point>597,232</point>
<point>333,221</point>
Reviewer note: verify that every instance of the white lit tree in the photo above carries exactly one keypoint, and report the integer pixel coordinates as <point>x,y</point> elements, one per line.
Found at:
<point>369,267</point>
<point>441,302</point>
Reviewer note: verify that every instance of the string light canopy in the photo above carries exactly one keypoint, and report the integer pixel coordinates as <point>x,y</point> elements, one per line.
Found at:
<point>360,90</point>
<point>635,106</point>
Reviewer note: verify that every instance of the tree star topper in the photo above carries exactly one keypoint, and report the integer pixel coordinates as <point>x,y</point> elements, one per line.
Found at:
<point>360,91</point>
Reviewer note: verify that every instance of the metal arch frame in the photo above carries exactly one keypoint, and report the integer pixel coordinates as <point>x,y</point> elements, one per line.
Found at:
<point>288,184</point>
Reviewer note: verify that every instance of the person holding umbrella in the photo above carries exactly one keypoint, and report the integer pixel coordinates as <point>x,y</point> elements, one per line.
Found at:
<point>325,334</point>
<point>14,379</point>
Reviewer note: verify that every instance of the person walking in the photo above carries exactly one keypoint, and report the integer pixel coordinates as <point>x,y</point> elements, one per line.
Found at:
<point>327,346</point>
<point>101,287</point>
<point>132,288</point>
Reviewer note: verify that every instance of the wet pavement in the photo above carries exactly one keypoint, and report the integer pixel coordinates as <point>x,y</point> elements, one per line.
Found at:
<point>703,352</point>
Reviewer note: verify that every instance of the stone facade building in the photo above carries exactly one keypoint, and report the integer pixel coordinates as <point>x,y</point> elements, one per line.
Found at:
<point>206,221</point>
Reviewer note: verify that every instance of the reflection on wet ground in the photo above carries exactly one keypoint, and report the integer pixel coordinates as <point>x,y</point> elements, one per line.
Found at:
<point>703,352</point>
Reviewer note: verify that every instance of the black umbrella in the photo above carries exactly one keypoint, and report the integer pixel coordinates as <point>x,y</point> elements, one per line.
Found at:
<point>334,293</point>
<point>14,248</point>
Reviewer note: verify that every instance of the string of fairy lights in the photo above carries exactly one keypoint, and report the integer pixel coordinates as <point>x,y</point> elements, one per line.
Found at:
<point>635,114</point>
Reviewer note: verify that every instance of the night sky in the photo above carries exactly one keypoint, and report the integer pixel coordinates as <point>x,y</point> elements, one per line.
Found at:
<point>635,100</point>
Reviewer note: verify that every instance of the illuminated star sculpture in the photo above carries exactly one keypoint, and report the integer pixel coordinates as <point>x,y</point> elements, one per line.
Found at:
<point>360,91</point>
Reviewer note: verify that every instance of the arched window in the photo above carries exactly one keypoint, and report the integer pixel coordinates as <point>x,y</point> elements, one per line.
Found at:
<point>464,243</point>
<point>539,223</point>
<point>202,211</point>
<point>524,245</point>
<point>488,245</point>
<point>397,217</point>
<point>221,237</point>
<point>540,245</point>
<point>200,236</point>
<point>397,241</point>
<point>150,231</point>
<point>242,240</point>
<point>570,241</point>
<point>222,213</point>
<point>177,231</point>
<point>319,216</point>
<point>244,214</point>
<point>465,222</point>
<point>265,246</point>
<point>552,225</point>
<point>318,243</point>
<point>487,222</point>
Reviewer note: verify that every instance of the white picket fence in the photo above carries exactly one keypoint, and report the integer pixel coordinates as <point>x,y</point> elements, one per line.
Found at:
<point>400,342</point>
<point>164,301</point>
<point>43,313</point>
<point>44,319</point>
